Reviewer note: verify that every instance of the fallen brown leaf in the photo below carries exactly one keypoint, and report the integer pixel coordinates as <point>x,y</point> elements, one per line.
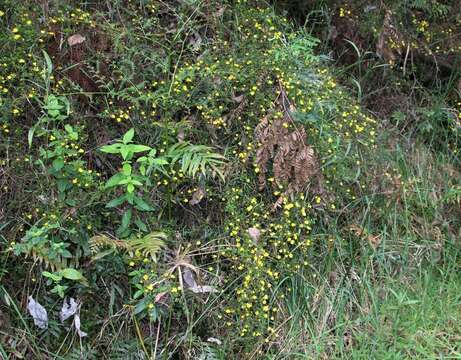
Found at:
<point>75,39</point>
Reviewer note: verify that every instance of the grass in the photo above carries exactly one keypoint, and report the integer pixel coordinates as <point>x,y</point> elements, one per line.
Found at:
<point>397,300</point>
<point>386,318</point>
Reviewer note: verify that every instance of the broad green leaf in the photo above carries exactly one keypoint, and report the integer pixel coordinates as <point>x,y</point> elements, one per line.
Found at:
<point>160,161</point>
<point>126,219</point>
<point>115,180</point>
<point>53,276</point>
<point>136,182</point>
<point>141,225</point>
<point>116,202</point>
<point>62,184</point>
<point>130,198</point>
<point>124,151</point>
<point>127,169</point>
<point>102,254</point>
<point>130,188</point>
<point>134,148</point>
<point>111,149</point>
<point>69,129</point>
<point>128,136</point>
<point>58,164</point>
<point>71,274</point>
<point>141,306</point>
<point>142,170</point>
<point>138,293</point>
<point>141,204</point>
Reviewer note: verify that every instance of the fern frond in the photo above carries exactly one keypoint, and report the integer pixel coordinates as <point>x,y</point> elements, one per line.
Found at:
<point>99,242</point>
<point>148,245</point>
<point>196,158</point>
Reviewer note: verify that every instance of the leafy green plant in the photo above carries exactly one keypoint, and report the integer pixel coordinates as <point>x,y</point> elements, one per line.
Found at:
<point>42,242</point>
<point>62,156</point>
<point>55,108</point>
<point>130,178</point>
<point>57,277</point>
<point>127,178</point>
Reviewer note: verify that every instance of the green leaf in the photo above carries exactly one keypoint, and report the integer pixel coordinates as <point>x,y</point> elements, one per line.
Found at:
<point>116,202</point>
<point>136,182</point>
<point>127,169</point>
<point>30,135</point>
<point>102,254</point>
<point>130,188</point>
<point>128,136</point>
<point>71,274</point>
<point>53,276</point>
<point>141,204</point>
<point>138,293</point>
<point>138,148</point>
<point>160,161</point>
<point>115,180</point>
<point>141,306</point>
<point>59,289</point>
<point>58,164</point>
<point>141,225</point>
<point>62,184</point>
<point>124,150</point>
<point>111,149</point>
<point>129,198</point>
<point>126,219</point>
<point>49,64</point>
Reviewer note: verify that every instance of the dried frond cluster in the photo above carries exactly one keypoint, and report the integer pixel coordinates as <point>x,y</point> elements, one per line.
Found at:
<point>294,163</point>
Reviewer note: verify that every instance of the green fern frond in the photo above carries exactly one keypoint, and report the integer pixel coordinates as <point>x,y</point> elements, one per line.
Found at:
<point>196,158</point>
<point>148,245</point>
<point>433,8</point>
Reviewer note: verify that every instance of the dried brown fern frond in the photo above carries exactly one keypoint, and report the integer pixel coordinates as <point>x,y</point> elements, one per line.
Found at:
<point>294,163</point>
